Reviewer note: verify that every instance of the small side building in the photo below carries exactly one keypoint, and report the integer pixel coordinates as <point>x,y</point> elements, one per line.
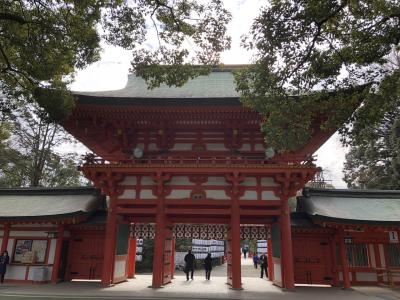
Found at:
<point>347,237</point>
<point>42,228</point>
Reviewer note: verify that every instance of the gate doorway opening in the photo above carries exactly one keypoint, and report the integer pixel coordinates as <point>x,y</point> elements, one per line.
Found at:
<point>201,239</point>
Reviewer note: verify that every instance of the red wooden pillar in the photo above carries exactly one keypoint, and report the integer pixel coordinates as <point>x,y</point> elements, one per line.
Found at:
<point>173,259</point>
<point>131,257</point>
<point>335,269</point>
<point>270,261</point>
<point>57,255</point>
<point>378,261</point>
<point>286,246</point>
<point>345,264</point>
<point>6,235</point>
<point>235,250</point>
<point>109,245</point>
<point>158,258</point>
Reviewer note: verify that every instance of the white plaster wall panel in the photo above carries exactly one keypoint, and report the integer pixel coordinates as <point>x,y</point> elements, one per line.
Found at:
<point>10,247</point>
<point>364,276</point>
<point>215,180</point>
<point>129,180</point>
<point>52,251</point>
<point>147,194</point>
<point>382,256</point>
<point>182,147</point>
<point>341,276</point>
<point>268,195</point>
<point>119,268</point>
<point>249,195</point>
<point>268,181</point>
<point>245,147</point>
<point>372,255</point>
<point>249,181</point>
<point>47,273</point>
<point>147,180</point>
<point>15,272</point>
<point>277,272</point>
<point>128,194</point>
<point>216,194</point>
<point>179,194</point>
<point>259,147</point>
<point>216,147</point>
<point>24,233</point>
<point>152,147</point>
<point>180,180</point>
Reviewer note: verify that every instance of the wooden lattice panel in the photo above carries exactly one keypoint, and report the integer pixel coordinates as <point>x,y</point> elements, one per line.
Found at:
<point>202,231</point>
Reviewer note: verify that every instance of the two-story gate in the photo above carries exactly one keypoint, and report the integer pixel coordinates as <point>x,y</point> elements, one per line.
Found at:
<point>188,155</point>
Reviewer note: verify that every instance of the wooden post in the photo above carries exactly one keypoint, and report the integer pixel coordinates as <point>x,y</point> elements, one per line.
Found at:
<point>235,250</point>
<point>286,246</point>
<point>270,261</point>
<point>159,239</point>
<point>131,257</point>
<point>378,262</point>
<point>158,258</point>
<point>6,235</point>
<point>345,264</point>
<point>173,259</point>
<point>109,245</point>
<point>57,255</point>
<point>334,267</point>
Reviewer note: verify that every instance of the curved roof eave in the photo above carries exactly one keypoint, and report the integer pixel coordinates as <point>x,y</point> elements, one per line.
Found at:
<point>216,85</point>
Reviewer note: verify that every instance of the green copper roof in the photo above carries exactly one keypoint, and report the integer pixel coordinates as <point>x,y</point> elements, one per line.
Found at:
<point>366,206</point>
<point>49,203</point>
<point>216,85</point>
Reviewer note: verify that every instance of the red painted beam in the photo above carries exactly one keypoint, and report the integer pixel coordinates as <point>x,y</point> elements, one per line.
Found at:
<point>136,211</point>
<point>259,212</point>
<point>197,211</point>
<point>268,169</point>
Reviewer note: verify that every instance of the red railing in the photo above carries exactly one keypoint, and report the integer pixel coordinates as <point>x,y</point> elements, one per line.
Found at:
<point>204,160</point>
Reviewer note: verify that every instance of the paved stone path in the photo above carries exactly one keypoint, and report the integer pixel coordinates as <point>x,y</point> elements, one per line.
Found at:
<point>253,288</point>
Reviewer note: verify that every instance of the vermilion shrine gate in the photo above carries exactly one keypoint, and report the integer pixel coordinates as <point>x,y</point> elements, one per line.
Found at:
<point>189,155</point>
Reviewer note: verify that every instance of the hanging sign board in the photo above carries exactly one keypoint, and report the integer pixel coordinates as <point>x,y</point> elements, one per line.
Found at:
<point>393,237</point>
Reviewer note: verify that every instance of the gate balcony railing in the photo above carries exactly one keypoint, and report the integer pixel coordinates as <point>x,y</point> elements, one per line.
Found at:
<point>204,160</point>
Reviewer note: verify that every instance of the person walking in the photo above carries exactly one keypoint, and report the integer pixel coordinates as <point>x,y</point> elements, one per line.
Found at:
<point>264,265</point>
<point>245,249</point>
<point>256,260</point>
<point>189,267</point>
<point>4,261</point>
<point>208,265</point>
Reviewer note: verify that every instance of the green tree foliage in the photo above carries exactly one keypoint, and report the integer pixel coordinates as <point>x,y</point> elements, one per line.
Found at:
<point>43,42</point>
<point>316,61</point>
<point>374,163</point>
<point>27,152</point>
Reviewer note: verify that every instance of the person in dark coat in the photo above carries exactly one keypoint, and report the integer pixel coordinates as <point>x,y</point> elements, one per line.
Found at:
<point>189,260</point>
<point>264,265</point>
<point>245,249</point>
<point>256,260</point>
<point>208,265</point>
<point>4,261</point>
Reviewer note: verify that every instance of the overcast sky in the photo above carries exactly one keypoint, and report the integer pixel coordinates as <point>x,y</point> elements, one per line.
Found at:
<point>111,73</point>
